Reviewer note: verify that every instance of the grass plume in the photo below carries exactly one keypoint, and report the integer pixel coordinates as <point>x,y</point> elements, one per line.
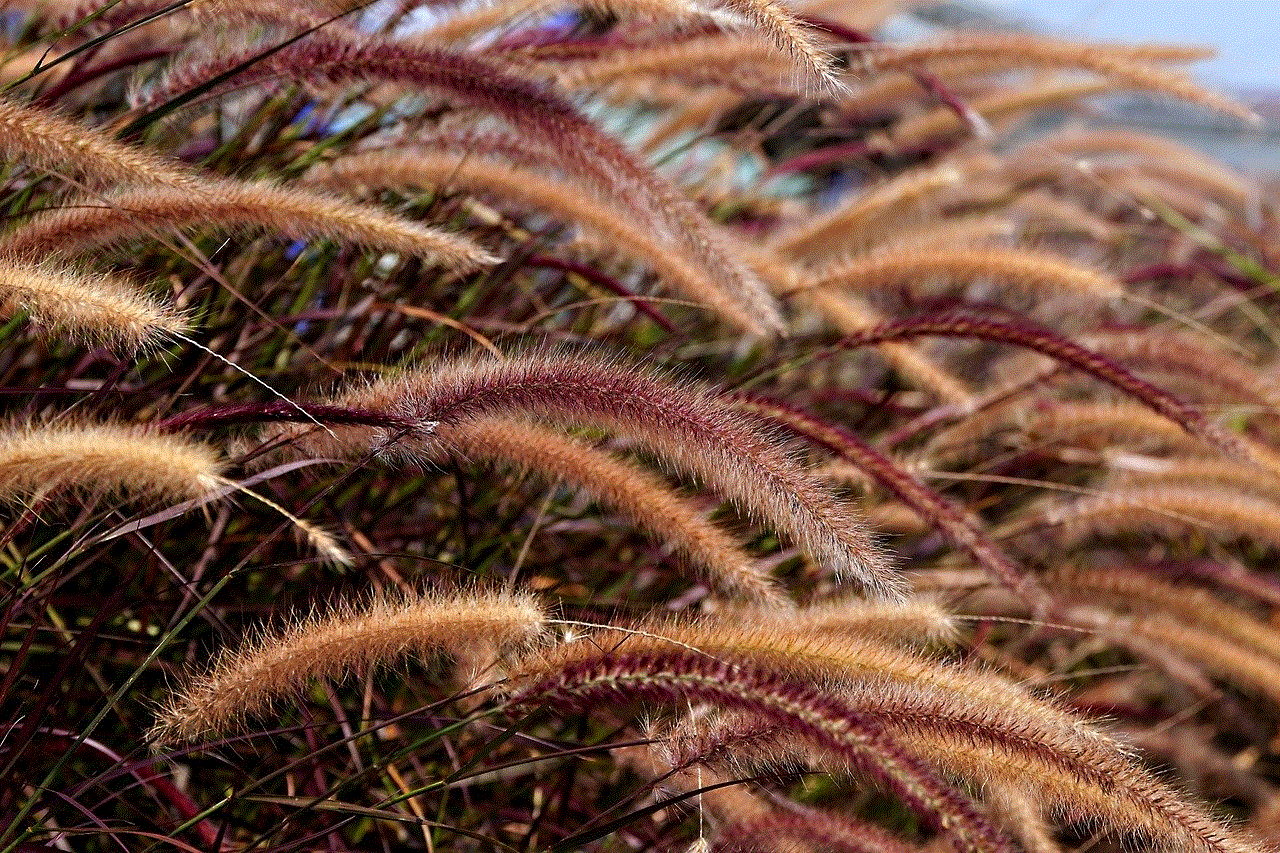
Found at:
<point>104,458</point>
<point>87,306</point>
<point>588,153</point>
<point>133,213</point>
<point>688,428</point>
<point>350,639</point>
<point>580,675</point>
<point>46,140</point>
<point>638,494</point>
<point>416,167</point>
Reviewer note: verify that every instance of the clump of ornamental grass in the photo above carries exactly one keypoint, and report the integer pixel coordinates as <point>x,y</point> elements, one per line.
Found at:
<point>957,537</point>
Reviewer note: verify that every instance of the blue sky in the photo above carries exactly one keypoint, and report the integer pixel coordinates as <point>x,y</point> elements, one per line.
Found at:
<point>1247,34</point>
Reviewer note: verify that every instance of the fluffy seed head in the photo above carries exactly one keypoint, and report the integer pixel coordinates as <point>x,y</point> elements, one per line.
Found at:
<point>691,429</point>
<point>90,306</point>
<point>350,639</point>
<point>105,457</point>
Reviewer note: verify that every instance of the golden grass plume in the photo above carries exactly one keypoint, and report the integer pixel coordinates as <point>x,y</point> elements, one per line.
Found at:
<point>347,640</point>
<point>96,458</point>
<point>88,306</point>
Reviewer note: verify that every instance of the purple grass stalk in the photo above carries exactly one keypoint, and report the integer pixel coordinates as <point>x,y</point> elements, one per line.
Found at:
<point>681,676</point>
<point>210,417</point>
<point>599,279</point>
<point>1029,335</point>
<point>960,528</point>
<point>823,830</point>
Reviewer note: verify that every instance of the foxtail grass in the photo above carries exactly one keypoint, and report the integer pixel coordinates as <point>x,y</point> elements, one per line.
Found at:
<point>104,458</point>
<point>134,213</point>
<point>687,427</point>
<point>347,640</point>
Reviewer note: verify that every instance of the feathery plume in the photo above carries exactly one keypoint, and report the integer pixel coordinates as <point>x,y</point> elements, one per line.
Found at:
<point>533,110</point>
<point>88,306</point>
<point>1023,816</point>
<point>48,141</point>
<point>957,524</point>
<point>1169,510</point>
<point>943,121</point>
<point>717,57</point>
<point>1218,375</point>
<point>639,495</point>
<point>789,38</point>
<point>1081,781</point>
<point>129,213</point>
<point>689,428</point>
<point>105,457</point>
<point>918,620</point>
<point>1033,51</point>
<point>110,15</point>
<point>1042,340</point>
<point>807,829</point>
<point>1038,272</point>
<point>1149,151</point>
<point>1186,604</point>
<point>413,166</point>
<point>788,34</point>
<point>1098,424</point>
<point>1131,470</point>
<point>472,21</point>
<point>580,676</point>
<point>350,639</point>
<point>1243,666</point>
<point>840,226</point>
<point>1128,801</point>
<point>879,676</point>
<point>1041,212</point>
<point>852,315</point>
